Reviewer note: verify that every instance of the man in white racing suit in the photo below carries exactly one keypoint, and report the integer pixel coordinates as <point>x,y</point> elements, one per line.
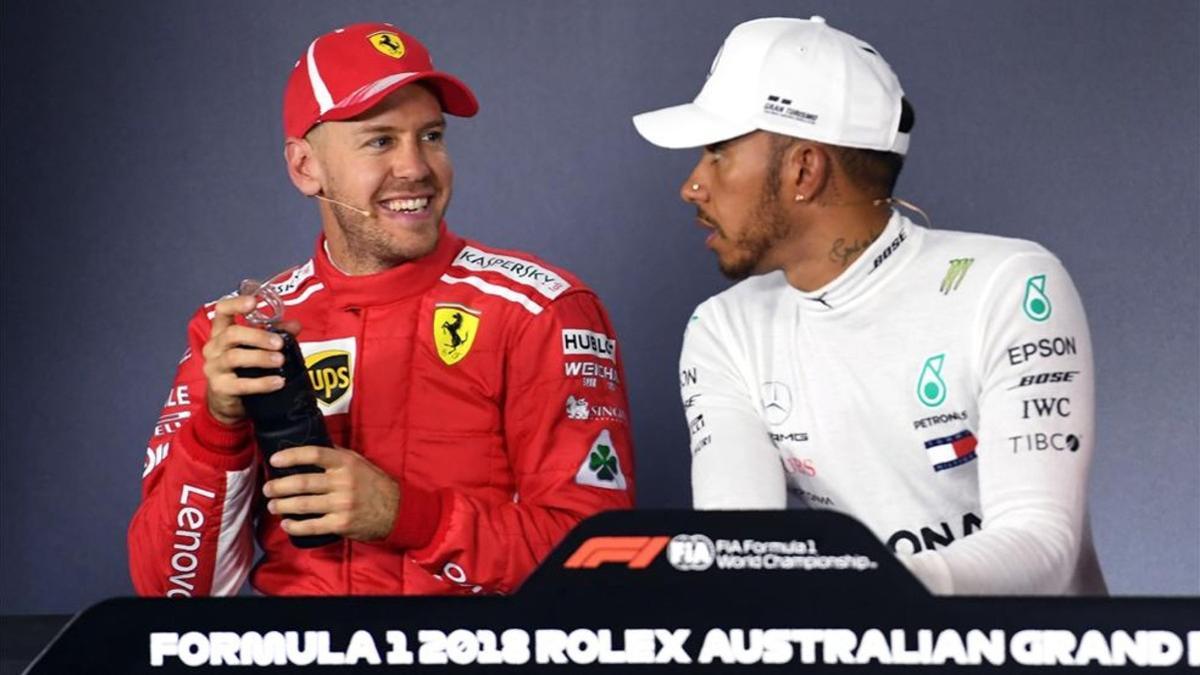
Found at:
<point>937,386</point>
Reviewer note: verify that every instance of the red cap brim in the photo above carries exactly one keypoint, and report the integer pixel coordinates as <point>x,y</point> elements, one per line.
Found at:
<point>455,97</point>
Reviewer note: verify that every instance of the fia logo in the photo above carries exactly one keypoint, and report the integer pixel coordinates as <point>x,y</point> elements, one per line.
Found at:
<point>691,552</point>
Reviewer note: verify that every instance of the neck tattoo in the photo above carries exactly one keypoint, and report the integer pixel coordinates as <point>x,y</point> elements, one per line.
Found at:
<point>845,252</point>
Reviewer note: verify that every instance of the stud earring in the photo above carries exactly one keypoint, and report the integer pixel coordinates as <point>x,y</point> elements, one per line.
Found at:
<point>799,198</point>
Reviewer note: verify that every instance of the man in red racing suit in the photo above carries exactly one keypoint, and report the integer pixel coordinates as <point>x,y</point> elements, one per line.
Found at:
<point>476,393</point>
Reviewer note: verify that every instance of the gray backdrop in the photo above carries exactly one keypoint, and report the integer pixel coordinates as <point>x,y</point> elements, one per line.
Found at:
<point>142,175</point>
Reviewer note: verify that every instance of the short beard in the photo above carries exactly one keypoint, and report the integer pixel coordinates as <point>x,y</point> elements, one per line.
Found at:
<point>370,245</point>
<point>769,224</point>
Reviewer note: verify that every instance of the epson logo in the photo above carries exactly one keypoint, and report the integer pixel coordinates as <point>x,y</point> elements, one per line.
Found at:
<point>578,341</point>
<point>1043,348</point>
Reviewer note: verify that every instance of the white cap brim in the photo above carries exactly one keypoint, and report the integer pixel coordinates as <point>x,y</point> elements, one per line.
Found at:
<point>687,126</point>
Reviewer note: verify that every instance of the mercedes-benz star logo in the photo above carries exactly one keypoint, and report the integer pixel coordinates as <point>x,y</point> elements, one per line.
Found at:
<point>776,402</point>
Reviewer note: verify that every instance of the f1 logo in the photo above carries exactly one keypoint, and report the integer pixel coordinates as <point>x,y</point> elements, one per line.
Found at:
<point>636,552</point>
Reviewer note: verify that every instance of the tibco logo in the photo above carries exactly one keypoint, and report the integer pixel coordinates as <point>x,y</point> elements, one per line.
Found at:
<point>691,552</point>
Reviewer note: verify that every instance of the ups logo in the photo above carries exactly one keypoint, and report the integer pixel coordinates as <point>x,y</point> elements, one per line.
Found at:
<point>329,373</point>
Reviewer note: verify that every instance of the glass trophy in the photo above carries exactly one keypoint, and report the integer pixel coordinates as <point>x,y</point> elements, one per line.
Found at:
<point>288,417</point>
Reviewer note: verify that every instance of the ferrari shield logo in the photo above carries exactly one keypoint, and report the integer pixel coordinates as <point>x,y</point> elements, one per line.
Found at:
<point>388,44</point>
<point>454,329</point>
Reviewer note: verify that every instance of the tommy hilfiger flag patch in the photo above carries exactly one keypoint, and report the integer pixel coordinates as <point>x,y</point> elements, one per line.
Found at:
<point>950,451</point>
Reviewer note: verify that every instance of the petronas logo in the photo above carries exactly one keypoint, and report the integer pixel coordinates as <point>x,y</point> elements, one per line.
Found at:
<point>1036,303</point>
<point>931,388</point>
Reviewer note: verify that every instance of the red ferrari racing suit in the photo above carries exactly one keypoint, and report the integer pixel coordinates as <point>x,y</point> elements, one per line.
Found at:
<point>486,383</point>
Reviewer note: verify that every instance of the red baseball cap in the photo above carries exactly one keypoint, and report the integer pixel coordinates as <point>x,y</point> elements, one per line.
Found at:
<point>346,72</point>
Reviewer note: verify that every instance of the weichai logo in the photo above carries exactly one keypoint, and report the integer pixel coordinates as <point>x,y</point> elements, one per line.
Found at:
<point>636,552</point>
<point>329,373</point>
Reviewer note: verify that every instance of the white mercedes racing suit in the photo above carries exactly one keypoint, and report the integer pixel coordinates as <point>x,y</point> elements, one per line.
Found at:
<point>940,390</point>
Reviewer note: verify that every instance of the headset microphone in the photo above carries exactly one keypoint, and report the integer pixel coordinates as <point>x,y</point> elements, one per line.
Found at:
<point>355,209</point>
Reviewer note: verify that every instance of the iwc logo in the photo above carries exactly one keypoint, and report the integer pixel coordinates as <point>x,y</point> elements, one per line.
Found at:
<point>931,389</point>
<point>776,402</point>
<point>387,43</point>
<point>454,329</point>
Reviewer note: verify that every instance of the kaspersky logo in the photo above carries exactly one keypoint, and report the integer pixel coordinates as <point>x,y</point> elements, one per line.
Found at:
<point>1036,303</point>
<point>954,275</point>
<point>931,388</point>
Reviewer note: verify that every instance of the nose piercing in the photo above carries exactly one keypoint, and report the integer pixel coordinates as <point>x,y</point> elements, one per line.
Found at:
<point>695,187</point>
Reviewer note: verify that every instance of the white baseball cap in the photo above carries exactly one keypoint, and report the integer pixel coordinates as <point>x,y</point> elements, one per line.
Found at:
<point>796,77</point>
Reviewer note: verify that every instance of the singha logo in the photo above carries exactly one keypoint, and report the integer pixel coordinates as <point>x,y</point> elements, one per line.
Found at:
<point>577,408</point>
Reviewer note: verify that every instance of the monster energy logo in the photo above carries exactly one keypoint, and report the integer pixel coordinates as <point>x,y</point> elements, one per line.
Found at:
<point>954,275</point>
